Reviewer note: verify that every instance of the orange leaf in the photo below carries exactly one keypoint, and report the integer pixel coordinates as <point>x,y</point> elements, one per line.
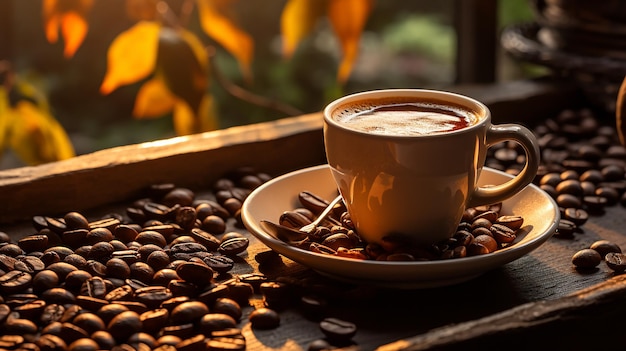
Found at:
<point>348,18</point>
<point>70,16</point>
<point>297,20</point>
<point>223,30</point>
<point>74,29</point>
<point>132,56</point>
<point>153,100</point>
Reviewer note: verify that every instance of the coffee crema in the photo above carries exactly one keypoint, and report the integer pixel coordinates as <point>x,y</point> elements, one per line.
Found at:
<point>397,116</point>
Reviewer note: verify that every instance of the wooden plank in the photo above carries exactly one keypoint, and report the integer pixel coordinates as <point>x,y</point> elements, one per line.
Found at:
<point>583,319</point>
<point>121,173</point>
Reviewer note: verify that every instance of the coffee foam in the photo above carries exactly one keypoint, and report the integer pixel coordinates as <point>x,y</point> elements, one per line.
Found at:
<point>410,117</point>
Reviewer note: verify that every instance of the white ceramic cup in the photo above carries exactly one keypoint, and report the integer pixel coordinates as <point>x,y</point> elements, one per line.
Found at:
<point>414,189</point>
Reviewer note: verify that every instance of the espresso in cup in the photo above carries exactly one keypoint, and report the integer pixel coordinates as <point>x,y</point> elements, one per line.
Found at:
<point>407,161</point>
<point>396,116</point>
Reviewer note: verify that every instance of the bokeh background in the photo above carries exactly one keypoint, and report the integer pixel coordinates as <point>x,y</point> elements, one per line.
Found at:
<point>405,44</point>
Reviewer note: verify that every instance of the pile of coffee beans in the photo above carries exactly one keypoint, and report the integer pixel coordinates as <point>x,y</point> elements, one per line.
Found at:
<point>482,230</point>
<point>156,277</point>
<point>583,165</point>
<point>583,169</point>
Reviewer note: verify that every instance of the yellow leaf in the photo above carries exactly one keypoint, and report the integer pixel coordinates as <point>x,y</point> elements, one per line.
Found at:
<point>184,73</point>
<point>297,20</point>
<point>153,100</point>
<point>132,56</point>
<point>36,137</point>
<point>223,30</point>
<point>348,18</point>
<point>184,119</point>
<point>186,122</point>
<point>70,16</point>
<point>141,10</point>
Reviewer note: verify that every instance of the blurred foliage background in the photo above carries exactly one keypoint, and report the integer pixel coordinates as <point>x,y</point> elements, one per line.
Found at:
<point>405,44</point>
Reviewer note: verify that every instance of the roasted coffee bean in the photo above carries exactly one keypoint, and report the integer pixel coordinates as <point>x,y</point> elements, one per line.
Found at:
<point>188,312</point>
<point>338,330</point>
<point>205,238</point>
<point>577,215</point>
<point>197,273</point>
<point>97,235</point>
<point>616,261</point>
<point>104,339</point>
<point>15,282</point>
<point>45,280</point>
<point>586,259</point>
<point>568,200</point>
<point>565,228</point>
<point>211,322</point>
<point>35,242</point>
<point>31,310</point>
<point>605,247</point>
<point>151,237</point>
<point>83,344</point>
<point>502,233</point>
<point>117,268</point>
<point>94,287</point>
<point>595,204</point>
<point>89,322</point>
<point>49,342</point>
<point>264,318</point>
<point>90,303</point>
<point>58,296</point>
<point>29,264</point>
<point>234,246</point>
<point>219,263</point>
<point>109,223</point>
<point>76,260</point>
<point>96,268</point>
<point>75,279</point>
<point>152,296</point>
<point>227,306</point>
<point>124,325</point>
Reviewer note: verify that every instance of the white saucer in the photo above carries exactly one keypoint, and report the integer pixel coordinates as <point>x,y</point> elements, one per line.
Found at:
<point>269,201</point>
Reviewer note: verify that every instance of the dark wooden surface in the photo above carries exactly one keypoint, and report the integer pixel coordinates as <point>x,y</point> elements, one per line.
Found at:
<point>536,295</point>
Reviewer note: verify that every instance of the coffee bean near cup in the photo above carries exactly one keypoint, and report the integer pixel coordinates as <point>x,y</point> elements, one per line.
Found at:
<point>407,161</point>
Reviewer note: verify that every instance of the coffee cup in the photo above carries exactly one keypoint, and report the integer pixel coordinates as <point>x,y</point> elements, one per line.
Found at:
<point>407,161</point>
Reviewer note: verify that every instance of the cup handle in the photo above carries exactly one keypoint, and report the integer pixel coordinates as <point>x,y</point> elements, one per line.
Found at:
<point>526,138</point>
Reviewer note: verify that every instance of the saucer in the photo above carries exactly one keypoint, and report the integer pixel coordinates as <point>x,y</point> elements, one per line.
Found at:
<point>270,200</point>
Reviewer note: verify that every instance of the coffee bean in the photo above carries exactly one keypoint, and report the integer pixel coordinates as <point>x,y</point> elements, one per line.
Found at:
<point>605,247</point>
<point>227,306</point>
<point>577,215</point>
<point>188,312</point>
<point>586,259</point>
<point>264,318</point>
<point>197,273</point>
<point>338,330</point>
<point>15,282</point>
<point>234,246</point>
<point>124,325</point>
<point>216,321</point>
<point>616,261</point>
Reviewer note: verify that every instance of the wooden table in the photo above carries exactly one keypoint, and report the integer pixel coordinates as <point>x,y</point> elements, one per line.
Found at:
<point>538,301</point>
